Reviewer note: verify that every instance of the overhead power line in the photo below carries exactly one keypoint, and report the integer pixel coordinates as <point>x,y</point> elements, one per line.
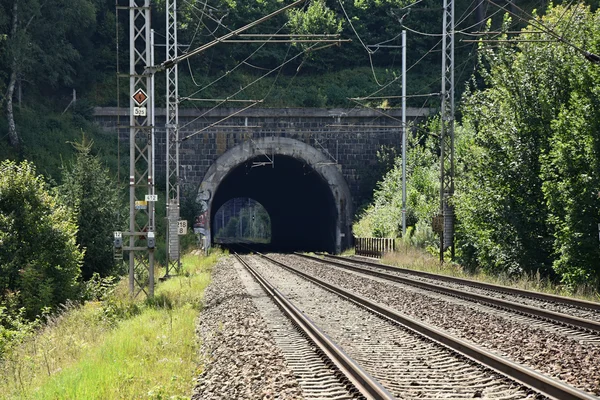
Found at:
<point>170,63</point>
<point>594,58</point>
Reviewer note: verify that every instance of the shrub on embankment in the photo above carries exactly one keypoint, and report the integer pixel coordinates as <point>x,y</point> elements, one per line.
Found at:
<point>527,149</point>
<point>114,347</point>
<point>39,255</point>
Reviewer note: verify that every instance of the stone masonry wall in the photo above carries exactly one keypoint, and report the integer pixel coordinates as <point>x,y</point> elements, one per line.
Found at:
<point>349,137</point>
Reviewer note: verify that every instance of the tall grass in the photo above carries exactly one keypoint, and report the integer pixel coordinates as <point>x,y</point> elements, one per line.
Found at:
<point>117,348</point>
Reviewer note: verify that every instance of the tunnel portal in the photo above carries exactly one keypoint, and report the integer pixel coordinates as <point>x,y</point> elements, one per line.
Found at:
<point>304,193</point>
<point>298,200</point>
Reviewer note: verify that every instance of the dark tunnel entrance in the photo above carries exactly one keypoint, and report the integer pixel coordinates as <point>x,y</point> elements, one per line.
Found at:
<point>299,201</point>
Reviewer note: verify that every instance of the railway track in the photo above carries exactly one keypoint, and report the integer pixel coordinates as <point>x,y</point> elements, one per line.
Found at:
<point>463,289</point>
<point>543,297</point>
<point>315,377</point>
<point>396,352</point>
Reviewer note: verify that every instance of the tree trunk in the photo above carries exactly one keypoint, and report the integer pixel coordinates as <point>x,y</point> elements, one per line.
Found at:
<point>480,14</point>
<point>13,136</point>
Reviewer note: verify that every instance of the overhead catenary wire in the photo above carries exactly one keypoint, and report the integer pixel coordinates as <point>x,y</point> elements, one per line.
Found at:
<point>250,84</point>
<point>407,70</point>
<point>244,62</point>
<point>576,10</point>
<point>493,33</point>
<point>594,58</point>
<point>368,50</point>
<point>245,108</point>
<point>395,97</point>
<point>170,63</point>
<point>463,65</point>
<point>311,48</point>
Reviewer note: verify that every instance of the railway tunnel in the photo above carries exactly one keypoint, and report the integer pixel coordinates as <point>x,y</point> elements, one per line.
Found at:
<point>304,193</point>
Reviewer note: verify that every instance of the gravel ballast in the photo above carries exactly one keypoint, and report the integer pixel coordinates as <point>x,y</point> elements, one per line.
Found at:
<point>405,363</point>
<point>560,357</point>
<point>238,356</point>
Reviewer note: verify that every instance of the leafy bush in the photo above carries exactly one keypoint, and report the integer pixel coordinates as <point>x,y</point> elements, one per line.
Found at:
<point>39,256</point>
<point>14,329</point>
<point>383,218</point>
<point>98,288</point>
<point>527,198</point>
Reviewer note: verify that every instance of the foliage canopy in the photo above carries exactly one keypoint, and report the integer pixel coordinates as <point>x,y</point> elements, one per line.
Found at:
<point>39,256</point>
<point>528,198</point>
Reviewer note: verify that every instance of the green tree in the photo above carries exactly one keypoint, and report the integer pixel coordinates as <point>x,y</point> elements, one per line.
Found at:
<point>39,256</point>
<point>383,218</point>
<point>527,191</point>
<point>93,194</point>
<point>40,46</point>
<point>571,168</point>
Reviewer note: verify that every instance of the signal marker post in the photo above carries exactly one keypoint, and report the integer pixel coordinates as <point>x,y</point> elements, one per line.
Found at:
<point>141,136</point>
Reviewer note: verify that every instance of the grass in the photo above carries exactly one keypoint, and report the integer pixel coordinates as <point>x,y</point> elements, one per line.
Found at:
<point>348,252</point>
<point>413,258</point>
<point>117,348</point>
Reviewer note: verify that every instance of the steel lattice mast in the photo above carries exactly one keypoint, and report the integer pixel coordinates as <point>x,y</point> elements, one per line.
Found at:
<point>141,180</point>
<point>447,132</point>
<point>172,140</point>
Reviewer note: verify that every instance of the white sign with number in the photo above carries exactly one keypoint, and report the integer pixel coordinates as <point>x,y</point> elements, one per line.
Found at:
<point>140,111</point>
<point>151,197</point>
<point>182,227</point>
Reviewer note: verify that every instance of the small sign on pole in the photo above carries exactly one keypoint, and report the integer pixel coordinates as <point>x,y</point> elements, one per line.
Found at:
<point>140,97</point>
<point>141,205</point>
<point>151,197</point>
<point>182,227</point>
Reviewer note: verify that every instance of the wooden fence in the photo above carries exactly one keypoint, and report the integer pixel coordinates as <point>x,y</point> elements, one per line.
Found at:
<point>373,247</point>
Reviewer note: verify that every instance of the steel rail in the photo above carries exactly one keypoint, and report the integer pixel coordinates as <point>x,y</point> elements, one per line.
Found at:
<point>366,385</point>
<point>580,323</point>
<point>524,375</point>
<point>489,286</point>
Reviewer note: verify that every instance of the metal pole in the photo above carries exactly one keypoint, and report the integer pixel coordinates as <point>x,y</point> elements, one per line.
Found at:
<point>447,132</point>
<point>141,152</point>
<point>132,60</point>
<point>153,124</point>
<point>403,133</point>
<point>172,141</point>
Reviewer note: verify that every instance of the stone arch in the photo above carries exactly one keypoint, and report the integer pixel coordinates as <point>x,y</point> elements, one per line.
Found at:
<point>284,149</point>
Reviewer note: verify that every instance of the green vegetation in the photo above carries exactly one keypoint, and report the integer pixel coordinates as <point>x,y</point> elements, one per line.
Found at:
<point>383,217</point>
<point>114,347</point>
<point>39,256</point>
<point>528,162</point>
<point>91,192</point>
<point>528,193</point>
<point>411,257</point>
<point>47,138</point>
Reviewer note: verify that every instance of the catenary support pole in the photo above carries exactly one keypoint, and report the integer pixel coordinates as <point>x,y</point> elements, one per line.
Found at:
<point>172,142</point>
<point>153,123</point>
<point>403,133</point>
<point>447,132</point>
<point>141,177</point>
